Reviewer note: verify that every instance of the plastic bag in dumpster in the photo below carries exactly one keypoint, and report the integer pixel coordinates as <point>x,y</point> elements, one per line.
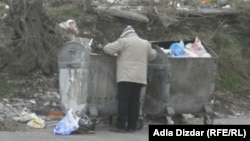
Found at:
<point>177,48</point>
<point>167,52</point>
<point>197,48</point>
<point>67,125</point>
<point>189,53</point>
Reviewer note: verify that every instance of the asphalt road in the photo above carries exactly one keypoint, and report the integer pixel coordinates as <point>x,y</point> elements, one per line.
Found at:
<point>102,133</point>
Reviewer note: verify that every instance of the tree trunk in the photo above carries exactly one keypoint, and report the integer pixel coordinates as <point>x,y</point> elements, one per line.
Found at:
<point>34,43</point>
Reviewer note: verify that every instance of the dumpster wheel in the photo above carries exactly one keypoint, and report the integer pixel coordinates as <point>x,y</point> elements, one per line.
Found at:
<point>177,119</point>
<point>170,121</point>
<point>208,120</point>
<point>140,124</point>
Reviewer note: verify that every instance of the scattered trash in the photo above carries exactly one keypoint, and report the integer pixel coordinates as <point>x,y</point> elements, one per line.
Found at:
<point>5,100</point>
<point>31,119</point>
<point>67,125</point>
<point>4,8</point>
<point>226,7</point>
<point>85,126</point>
<point>70,26</point>
<point>55,115</point>
<point>36,123</point>
<point>33,101</point>
<point>206,1</point>
<point>71,29</point>
<point>7,7</point>
<point>25,116</point>
<point>110,1</point>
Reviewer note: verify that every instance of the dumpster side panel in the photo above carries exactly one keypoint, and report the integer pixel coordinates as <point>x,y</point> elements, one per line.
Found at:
<point>102,84</point>
<point>192,81</point>
<point>157,91</point>
<point>73,75</point>
<point>156,94</point>
<point>73,87</point>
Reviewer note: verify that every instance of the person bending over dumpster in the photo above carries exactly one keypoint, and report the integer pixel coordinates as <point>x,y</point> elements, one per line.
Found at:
<point>133,54</point>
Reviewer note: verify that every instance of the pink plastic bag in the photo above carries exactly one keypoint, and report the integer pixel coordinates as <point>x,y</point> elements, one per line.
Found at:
<point>198,48</point>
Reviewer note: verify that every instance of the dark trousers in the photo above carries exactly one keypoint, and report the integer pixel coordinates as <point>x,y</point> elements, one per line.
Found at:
<point>128,105</point>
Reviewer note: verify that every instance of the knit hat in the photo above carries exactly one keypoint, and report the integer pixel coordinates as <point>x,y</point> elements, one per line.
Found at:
<point>127,30</point>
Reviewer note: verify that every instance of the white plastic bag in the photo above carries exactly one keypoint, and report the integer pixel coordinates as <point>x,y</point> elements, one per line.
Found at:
<point>189,53</point>
<point>36,123</point>
<point>70,26</point>
<point>67,125</point>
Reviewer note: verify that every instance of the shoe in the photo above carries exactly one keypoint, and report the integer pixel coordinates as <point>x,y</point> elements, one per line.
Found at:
<point>131,131</point>
<point>117,130</point>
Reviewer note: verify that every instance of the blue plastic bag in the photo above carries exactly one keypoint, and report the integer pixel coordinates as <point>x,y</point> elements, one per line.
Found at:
<point>177,48</point>
<point>67,125</point>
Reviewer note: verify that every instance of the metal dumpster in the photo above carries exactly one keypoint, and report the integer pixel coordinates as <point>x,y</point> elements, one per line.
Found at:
<point>180,85</point>
<point>87,79</point>
<point>73,73</point>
